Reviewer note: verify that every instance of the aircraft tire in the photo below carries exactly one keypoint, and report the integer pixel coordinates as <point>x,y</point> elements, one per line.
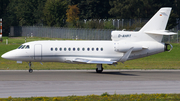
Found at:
<point>99,71</point>
<point>30,70</point>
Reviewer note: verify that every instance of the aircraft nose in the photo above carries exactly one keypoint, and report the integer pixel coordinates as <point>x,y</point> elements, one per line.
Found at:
<point>5,56</point>
<point>9,55</point>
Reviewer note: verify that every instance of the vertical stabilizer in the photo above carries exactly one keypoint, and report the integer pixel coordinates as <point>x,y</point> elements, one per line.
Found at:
<point>158,21</point>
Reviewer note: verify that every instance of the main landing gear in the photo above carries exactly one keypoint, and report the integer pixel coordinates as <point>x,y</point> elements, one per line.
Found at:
<point>99,68</point>
<point>30,70</point>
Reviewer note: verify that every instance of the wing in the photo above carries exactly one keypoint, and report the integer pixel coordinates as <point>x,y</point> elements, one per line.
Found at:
<point>81,60</point>
<point>122,59</point>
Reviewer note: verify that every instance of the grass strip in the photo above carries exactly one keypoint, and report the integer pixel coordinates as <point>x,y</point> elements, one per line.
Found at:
<point>103,97</point>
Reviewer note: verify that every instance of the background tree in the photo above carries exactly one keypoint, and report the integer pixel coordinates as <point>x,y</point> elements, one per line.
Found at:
<point>127,9</point>
<point>94,9</point>
<point>72,14</point>
<point>38,12</point>
<point>24,10</point>
<point>132,9</point>
<point>3,6</point>
<point>137,8</point>
<point>3,15</point>
<point>73,2</point>
<point>55,12</point>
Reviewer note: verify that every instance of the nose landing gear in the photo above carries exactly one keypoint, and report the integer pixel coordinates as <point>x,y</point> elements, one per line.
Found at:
<point>30,70</point>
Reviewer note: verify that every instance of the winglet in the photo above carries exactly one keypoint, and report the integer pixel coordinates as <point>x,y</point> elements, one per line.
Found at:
<point>126,55</point>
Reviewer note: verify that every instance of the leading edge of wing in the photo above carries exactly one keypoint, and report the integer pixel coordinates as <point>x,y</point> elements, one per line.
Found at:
<point>80,60</point>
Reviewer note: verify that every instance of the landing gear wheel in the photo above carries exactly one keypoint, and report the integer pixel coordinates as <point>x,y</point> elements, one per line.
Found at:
<point>99,68</point>
<point>30,70</point>
<point>99,71</point>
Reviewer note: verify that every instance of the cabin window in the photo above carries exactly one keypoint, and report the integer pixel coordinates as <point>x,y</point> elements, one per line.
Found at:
<point>56,49</point>
<point>97,49</point>
<point>20,47</point>
<point>88,49</point>
<point>69,49</point>
<point>60,49</point>
<point>78,49</point>
<point>27,47</point>
<point>23,46</point>
<point>101,49</point>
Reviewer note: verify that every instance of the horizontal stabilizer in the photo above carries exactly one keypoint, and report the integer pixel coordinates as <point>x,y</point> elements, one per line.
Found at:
<point>160,32</point>
<point>79,60</point>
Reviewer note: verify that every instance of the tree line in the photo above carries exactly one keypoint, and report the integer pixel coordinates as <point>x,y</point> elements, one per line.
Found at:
<point>67,13</point>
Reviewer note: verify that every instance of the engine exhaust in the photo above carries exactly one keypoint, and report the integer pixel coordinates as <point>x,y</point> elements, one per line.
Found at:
<point>168,47</point>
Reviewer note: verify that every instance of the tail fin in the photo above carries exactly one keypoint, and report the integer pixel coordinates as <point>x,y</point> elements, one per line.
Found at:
<point>158,21</point>
<point>154,29</point>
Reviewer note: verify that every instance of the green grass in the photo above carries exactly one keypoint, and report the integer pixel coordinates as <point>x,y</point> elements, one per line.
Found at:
<point>165,60</point>
<point>103,97</point>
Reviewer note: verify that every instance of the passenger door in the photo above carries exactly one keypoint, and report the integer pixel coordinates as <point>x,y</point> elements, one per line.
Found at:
<point>38,52</point>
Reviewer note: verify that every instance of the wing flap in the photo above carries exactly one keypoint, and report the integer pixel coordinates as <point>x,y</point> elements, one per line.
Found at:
<point>80,60</point>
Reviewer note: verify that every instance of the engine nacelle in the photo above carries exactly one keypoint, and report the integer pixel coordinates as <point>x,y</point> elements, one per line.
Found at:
<point>124,47</point>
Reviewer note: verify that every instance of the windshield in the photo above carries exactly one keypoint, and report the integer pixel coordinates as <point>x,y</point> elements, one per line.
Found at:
<point>20,47</point>
<point>27,47</point>
<point>24,47</point>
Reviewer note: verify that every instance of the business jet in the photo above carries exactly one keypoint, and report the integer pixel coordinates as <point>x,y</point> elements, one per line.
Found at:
<point>125,45</point>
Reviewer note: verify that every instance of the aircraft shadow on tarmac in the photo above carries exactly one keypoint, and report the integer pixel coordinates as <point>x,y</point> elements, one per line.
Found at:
<point>116,73</point>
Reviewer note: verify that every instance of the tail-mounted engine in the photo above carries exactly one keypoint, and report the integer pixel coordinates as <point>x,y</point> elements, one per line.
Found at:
<point>124,47</point>
<point>168,47</point>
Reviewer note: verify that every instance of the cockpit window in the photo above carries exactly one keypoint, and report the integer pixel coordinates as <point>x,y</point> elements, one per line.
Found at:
<point>20,47</point>
<point>23,46</point>
<point>27,47</point>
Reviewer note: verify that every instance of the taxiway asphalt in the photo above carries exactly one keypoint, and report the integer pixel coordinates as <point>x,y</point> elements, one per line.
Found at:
<point>85,82</point>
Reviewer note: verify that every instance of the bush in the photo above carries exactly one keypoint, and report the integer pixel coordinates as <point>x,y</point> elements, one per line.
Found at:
<point>105,94</point>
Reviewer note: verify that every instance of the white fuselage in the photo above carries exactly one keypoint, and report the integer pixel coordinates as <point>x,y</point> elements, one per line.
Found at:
<point>67,51</point>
